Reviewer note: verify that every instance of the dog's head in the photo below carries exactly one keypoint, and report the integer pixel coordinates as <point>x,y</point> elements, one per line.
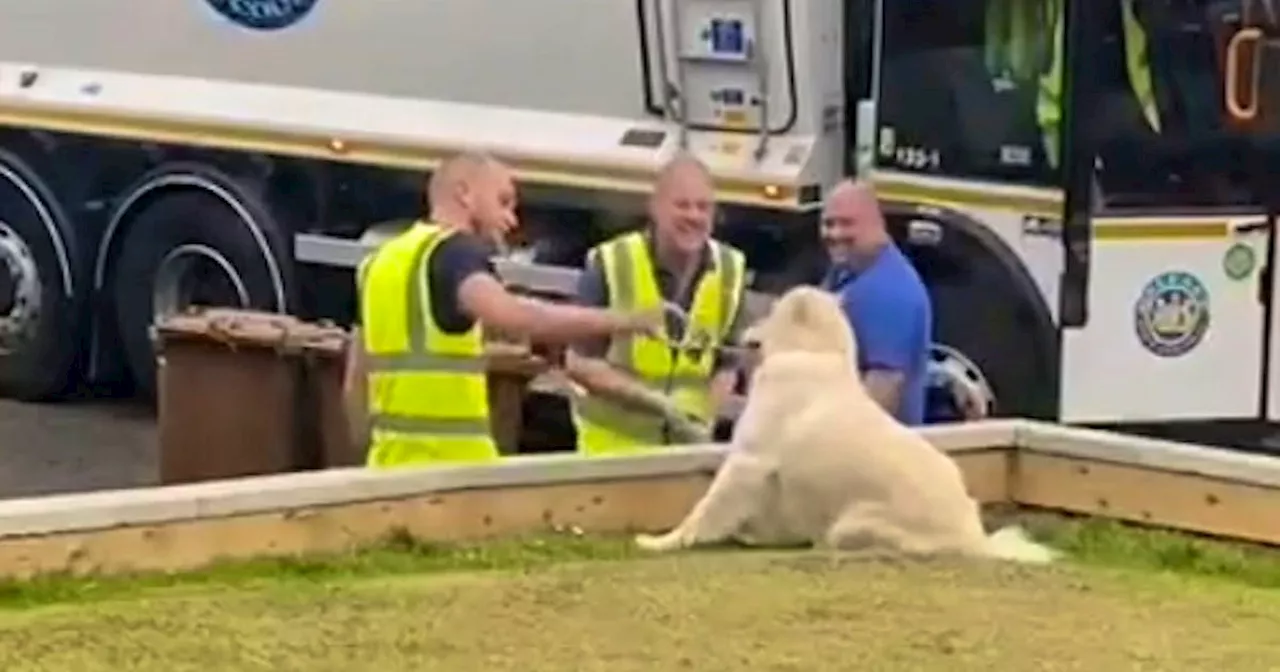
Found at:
<point>805,319</point>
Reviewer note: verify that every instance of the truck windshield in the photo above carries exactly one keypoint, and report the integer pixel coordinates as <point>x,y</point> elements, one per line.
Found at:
<point>971,89</point>
<point>959,85</point>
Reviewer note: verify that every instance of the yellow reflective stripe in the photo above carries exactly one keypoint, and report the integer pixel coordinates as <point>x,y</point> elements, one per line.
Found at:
<point>605,427</point>
<point>622,260</point>
<point>391,450</point>
<point>407,257</point>
<point>621,273</point>
<point>362,278</point>
<point>425,405</point>
<point>420,355</point>
<point>1049,93</point>
<point>362,271</point>
<point>644,272</point>
<point>1137,68</point>
<point>408,424</point>
<point>705,311</point>
<point>416,309</point>
<point>733,270</point>
<point>1138,64</point>
<point>424,361</point>
<point>429,393</point>
<point>390,289</point>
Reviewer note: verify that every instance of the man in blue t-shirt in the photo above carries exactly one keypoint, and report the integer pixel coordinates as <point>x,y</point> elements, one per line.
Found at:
<point>884,298</point>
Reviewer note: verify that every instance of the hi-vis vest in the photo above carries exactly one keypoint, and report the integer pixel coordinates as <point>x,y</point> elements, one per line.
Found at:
<point>1014,48</point>
<point>605,428</point>
<point>428,398</point>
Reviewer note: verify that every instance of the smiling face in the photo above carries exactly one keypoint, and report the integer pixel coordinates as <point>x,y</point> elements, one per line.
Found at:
<point>682,208</point>
<point>852,226</point>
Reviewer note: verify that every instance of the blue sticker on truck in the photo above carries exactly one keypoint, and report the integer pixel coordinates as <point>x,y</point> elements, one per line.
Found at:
<point>263,14</point>
<point>1171,315</point>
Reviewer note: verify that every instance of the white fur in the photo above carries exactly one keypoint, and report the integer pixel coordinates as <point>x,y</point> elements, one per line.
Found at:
<point>814,460</point>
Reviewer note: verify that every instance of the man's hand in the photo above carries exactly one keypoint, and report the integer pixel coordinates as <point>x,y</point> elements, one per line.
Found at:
<point>686,428</point>
<point>646,322</point>
<point>885,386</point>
<point>484,298</point>
<point>721,391</point>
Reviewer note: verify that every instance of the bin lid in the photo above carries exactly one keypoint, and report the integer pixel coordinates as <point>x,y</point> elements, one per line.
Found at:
<point>236,327</point>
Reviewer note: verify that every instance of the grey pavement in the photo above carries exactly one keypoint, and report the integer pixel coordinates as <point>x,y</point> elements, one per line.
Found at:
<point>75,446</point>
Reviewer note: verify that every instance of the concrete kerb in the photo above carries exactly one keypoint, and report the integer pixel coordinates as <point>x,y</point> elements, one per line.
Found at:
<point>104,510</point>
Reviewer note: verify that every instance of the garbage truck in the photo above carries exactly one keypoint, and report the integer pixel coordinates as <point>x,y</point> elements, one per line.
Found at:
<point>1084,187</point>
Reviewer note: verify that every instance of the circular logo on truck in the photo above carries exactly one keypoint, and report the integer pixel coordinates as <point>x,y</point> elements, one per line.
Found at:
<point>1239,261</point>
<point>1172,314</point>
<point>263,14</point>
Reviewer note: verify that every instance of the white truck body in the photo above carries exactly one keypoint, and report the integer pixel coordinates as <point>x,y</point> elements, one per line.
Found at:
<point>404,82</point>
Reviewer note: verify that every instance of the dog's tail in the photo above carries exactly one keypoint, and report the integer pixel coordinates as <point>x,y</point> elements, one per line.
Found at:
<point>1012,543</point>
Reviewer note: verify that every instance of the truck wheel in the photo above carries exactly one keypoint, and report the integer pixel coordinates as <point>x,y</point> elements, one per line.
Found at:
<point>988,353</point>
<point>995,344</point>
<point>41,305</point>
<point>190,248</point>
<point>958,390</point>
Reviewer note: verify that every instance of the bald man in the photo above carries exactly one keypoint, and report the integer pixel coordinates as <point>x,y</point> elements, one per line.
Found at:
<point>884,298</point>
<point>418,369</point>
<point>675,261</point>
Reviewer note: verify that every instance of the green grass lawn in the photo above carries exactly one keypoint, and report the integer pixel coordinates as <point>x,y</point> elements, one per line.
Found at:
<point>1126,600</point>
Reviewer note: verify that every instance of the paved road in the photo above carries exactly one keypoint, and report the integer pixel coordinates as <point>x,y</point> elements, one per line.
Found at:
<point>47,448</point>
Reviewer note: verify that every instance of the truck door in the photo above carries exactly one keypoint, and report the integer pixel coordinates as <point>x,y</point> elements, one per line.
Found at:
<point>1249,41</point>
<point>1178,323</point>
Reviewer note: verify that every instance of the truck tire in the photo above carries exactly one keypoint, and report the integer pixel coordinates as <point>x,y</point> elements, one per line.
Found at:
<point>41,290</point>
<point>190,247</point>
<point>991,316</point>
<point>994,335</point>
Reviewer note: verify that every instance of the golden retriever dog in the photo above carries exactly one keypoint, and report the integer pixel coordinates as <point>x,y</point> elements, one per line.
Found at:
<point>814,460</point>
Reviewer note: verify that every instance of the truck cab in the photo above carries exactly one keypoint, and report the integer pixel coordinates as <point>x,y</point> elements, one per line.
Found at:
<point>1124,172</point>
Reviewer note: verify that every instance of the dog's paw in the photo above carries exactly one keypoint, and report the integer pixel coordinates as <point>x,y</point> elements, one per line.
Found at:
<point>657,543</point>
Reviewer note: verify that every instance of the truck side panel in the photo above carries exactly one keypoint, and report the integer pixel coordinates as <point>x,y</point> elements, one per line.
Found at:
<point>580,56</point>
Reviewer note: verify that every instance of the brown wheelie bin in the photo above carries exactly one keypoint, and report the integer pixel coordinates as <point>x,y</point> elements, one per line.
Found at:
<point>246,393</point>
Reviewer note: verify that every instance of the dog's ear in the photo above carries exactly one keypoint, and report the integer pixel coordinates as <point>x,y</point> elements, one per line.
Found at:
<point>802,308</point>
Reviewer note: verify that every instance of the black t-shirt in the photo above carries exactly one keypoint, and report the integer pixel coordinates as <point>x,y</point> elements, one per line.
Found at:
<point>457,258</point>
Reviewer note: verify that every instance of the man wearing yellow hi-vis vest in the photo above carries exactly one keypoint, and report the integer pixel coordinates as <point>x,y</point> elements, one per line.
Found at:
<point>673,262</point>
<point>416,372</point>
<point>1019,48</point>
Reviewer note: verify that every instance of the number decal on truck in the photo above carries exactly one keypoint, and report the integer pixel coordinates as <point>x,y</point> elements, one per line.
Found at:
<point>263,14</point>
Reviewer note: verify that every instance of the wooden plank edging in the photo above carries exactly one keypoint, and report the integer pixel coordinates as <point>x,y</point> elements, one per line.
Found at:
<point>185,526</point>
<point>264,494</point>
